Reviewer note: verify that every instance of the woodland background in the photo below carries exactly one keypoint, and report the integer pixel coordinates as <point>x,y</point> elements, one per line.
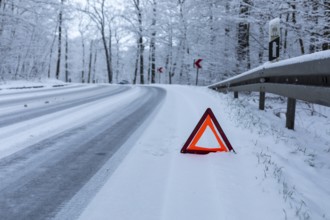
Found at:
<point>108,41</point>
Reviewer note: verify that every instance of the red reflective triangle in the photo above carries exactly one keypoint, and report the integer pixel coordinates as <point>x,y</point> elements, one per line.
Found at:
<point>208,120</point>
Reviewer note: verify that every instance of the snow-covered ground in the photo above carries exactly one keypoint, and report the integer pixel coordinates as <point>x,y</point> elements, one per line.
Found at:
<point>14,85</point>
<point>276,173</point>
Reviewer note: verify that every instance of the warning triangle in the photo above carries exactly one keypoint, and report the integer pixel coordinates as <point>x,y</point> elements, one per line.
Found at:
<point>197,137</point>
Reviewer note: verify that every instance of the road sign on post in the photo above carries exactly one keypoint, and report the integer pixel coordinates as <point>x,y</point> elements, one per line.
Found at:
<point>160,69</point>
<point>274,39</point>
<point>197,65</point>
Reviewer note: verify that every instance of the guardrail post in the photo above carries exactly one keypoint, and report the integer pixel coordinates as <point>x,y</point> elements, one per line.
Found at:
<point>262,101</point>
<point>236,95</point>
<point>290,113</point>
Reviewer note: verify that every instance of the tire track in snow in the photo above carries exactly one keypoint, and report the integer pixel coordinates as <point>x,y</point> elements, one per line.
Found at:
<point>23,115</point>
<point>46,175</point>
<point>13,99</point>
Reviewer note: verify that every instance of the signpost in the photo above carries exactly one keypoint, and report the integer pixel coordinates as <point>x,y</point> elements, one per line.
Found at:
<point>197,65</point>
<point>160,70</point>
<point>274,39</point>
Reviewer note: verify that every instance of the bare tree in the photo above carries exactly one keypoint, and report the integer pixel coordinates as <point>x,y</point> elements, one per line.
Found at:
<point>97,12</point>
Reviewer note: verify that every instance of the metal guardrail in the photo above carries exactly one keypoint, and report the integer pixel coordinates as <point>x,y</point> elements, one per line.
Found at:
<point>304,78</point>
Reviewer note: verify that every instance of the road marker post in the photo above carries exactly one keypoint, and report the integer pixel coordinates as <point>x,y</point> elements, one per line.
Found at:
<point>197,65</point>
<point>160,71</point>
<point>274,39</point>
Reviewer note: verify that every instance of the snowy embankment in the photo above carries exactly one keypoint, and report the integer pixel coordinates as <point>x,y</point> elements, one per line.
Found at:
<point>276,173</point>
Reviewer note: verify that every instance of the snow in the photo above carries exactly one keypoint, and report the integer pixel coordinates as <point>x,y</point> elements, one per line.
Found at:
<point>269,177</point>
<point>14,85</point>
<point>274,28</point>
<point>275,174</point>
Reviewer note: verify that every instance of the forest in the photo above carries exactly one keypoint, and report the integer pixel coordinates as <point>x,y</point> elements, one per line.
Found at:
<point>152,41</point>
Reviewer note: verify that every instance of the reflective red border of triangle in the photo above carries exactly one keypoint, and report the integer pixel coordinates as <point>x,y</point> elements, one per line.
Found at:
<point>208,112</point>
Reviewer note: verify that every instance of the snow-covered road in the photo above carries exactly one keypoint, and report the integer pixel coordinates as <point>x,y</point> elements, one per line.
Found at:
<point>53,149</point>
<point>59,165</point>
<point>276,173</point>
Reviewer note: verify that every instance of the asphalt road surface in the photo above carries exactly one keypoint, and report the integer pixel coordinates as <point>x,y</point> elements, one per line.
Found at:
<point>37,181</point>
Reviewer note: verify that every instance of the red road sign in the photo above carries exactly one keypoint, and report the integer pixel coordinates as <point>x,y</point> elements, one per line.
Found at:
<point>198,63</point>
<point>160,69</point>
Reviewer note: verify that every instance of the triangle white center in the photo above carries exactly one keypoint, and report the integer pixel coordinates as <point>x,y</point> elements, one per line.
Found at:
<point>208,140</point>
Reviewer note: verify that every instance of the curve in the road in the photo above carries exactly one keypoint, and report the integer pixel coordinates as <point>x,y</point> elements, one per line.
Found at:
<point>43,177</point>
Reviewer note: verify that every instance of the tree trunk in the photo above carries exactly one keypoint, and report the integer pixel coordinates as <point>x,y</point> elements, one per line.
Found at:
<point>59,51</point>
<point>212,46</point>
<point>141,60</point>
<point>141,47</point>
<point>94,66</point>
<point>90,62</point>
<point>153,43</point>
<point>153,61</point>
<point>169,57</point>
<point>149,66</point>
<point>294,21</point>
<point>243,53</point>
<point>226,41</point>
<point>66,57</point>
<point>248,60</point>
<point>51,54</point>
<point>118,56</point>
<point>314,24</point>
<point>107,57</point>
<point>326,30</point>
<point>83,58</point>
<point>110,52</point>
<point>183,40</point>
<point>285,47</point>
<point>261,40</point>
<point>168,64</point>
<point>1,17</point>
<point>136,65</point>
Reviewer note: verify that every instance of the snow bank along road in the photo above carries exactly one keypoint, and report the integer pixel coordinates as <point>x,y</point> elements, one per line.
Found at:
<point>53,141</point>
<point>111,152</point>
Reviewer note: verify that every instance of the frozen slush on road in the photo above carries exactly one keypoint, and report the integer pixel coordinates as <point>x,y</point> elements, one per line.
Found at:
<point>117,156</point>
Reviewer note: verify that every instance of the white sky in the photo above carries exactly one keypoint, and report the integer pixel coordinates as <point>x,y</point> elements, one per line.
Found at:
<point>73,30</point>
